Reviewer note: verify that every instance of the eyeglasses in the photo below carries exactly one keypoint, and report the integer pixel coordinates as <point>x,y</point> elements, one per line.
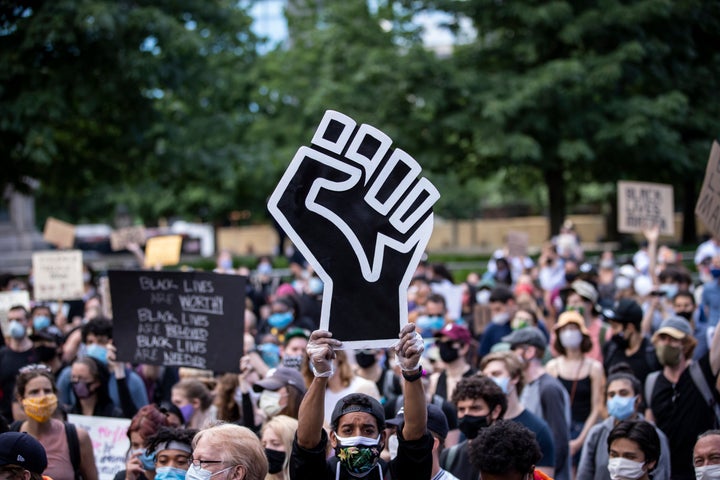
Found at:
<point>203,463</point>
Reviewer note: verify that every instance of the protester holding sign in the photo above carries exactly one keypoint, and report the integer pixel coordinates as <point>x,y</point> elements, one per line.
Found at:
<point>358,420</point>
<point>68,448</point>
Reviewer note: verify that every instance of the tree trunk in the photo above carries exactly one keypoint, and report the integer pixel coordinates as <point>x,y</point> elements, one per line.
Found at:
<point>555,184</point>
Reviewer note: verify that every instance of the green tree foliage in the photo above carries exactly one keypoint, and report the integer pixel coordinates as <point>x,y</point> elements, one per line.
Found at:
<point>143,103</point>
<point>585,91</point>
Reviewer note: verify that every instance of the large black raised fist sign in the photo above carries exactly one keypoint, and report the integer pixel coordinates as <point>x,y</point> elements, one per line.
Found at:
<point>360,213</point>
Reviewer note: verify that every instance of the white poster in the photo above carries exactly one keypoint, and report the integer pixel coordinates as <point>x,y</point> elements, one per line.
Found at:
<point>109,440</point>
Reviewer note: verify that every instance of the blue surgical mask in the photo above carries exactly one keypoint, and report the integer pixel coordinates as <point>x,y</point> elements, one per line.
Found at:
<point>502,382</point>
<point>621,407</point>
<point>315,286</point>
<point>280,320</point>
<point>41,322</point>
<point>170,473</point>
<point>197,473</point>
<point>270,354</point>
<point>16,330</point>
<point>670,290</point>
<point>147,461</point>
<point>429,324</point>
<point>98,352</point>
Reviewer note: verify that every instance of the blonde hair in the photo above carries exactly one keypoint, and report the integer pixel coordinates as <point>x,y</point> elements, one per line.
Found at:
<point>285,428</point>
<point>512,363</point>
<point>237,446</point>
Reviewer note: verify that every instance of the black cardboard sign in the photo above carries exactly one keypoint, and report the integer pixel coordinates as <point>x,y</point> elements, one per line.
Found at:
<point>190,319</point>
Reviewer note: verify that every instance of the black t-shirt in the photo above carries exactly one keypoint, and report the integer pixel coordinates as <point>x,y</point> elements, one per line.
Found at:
<point>642,362</point>
<point>682,414</point>
<point>10,364</point>
<point>413,461</point>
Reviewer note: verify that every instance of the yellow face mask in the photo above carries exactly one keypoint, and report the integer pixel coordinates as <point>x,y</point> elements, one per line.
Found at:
<point>42,408</point>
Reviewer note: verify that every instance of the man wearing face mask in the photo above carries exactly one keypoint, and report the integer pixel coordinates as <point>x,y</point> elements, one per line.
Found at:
<point>502,309</point>
<point>677,395</point>
<point>623,398</point>
<point>453,343</point>
<point>628,344</point>
<point>480,403</point>
<point>357,422</point>
<point>710,298</point>
<point>684,307</point>
<point>18,352</point>
<point>706,456</point>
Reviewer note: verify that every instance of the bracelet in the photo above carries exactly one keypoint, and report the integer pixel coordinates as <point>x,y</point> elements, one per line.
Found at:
<point>411,377</point>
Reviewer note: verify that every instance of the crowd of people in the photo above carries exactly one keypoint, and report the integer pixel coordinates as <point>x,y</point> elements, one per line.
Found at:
<point>555,367</point>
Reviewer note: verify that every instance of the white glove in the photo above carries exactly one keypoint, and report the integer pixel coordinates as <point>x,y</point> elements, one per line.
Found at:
<point>321,352</point>
<point>409,349</point>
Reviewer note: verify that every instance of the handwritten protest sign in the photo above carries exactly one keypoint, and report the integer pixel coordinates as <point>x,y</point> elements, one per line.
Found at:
<point>109,440</point>
<point>361,214</point>
<point>59,233</point>
<point>517,243</point>
<point>9,300</point>
<point>57,275</point>
<point>643,205</point>
<point>163,251</point>
<point>708,204</point>
<point>121,238</point>
<point>190,319</point>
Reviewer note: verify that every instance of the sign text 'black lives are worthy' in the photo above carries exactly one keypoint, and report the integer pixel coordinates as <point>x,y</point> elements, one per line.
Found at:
<point>190,319</point>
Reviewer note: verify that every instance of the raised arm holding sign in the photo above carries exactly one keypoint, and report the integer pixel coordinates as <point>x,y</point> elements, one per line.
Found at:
<point>356,209</point>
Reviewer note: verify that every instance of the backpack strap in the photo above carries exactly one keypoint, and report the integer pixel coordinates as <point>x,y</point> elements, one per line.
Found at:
<point>650,386</point>
<point>451,457</point>
<point>74,447</point>
<point>701,384</point>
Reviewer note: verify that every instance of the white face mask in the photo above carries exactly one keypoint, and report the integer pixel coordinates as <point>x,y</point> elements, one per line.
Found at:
<point>500,318</point>
<point>270,403</point>
<point>197,473</point>
<point>625,469</point>
<point>707,472</point>
<point>571,339</point>
<point>393,445</point>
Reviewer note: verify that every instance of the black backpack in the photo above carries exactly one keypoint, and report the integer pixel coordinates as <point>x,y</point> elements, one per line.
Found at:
<point>72,441</point>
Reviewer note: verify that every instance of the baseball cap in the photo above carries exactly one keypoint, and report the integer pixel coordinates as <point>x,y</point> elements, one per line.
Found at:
<point>293,332</point>
<point>436,420</point>
<point>676,327</point>
<point>455,332</point>
<point>281,377</point>
<point>584,289</point>
<point>22,450</point>
<point>625,311</point>
<point>357,402</point>
<point>571,316</point>
<point>526,336</point>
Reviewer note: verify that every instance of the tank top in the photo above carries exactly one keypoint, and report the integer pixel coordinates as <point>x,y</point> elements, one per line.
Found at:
<point>58,453</point>
<point>581,402</point>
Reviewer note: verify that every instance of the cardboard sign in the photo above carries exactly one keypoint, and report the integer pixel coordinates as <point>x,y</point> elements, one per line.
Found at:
<point>184,319</point>
<point>453,297</point>
<point>57,275</point>
<point>517,244</point>
<point>120,239</point>
<point>361,214</point>
<point>163,251</point>
<point>109,440</point>
<point>644,205</point>
<point>708,205</point>
<point>9,300</point>
<point>59,233</point>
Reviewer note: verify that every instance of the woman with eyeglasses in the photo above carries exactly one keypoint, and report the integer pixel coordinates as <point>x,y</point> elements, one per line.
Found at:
<point>230,449</point>
<point>67,447</point>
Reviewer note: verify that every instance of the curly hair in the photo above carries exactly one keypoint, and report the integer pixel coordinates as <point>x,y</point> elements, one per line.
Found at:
<point>505,447</point>
<point>480,386</point>
<point>169,434</point>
